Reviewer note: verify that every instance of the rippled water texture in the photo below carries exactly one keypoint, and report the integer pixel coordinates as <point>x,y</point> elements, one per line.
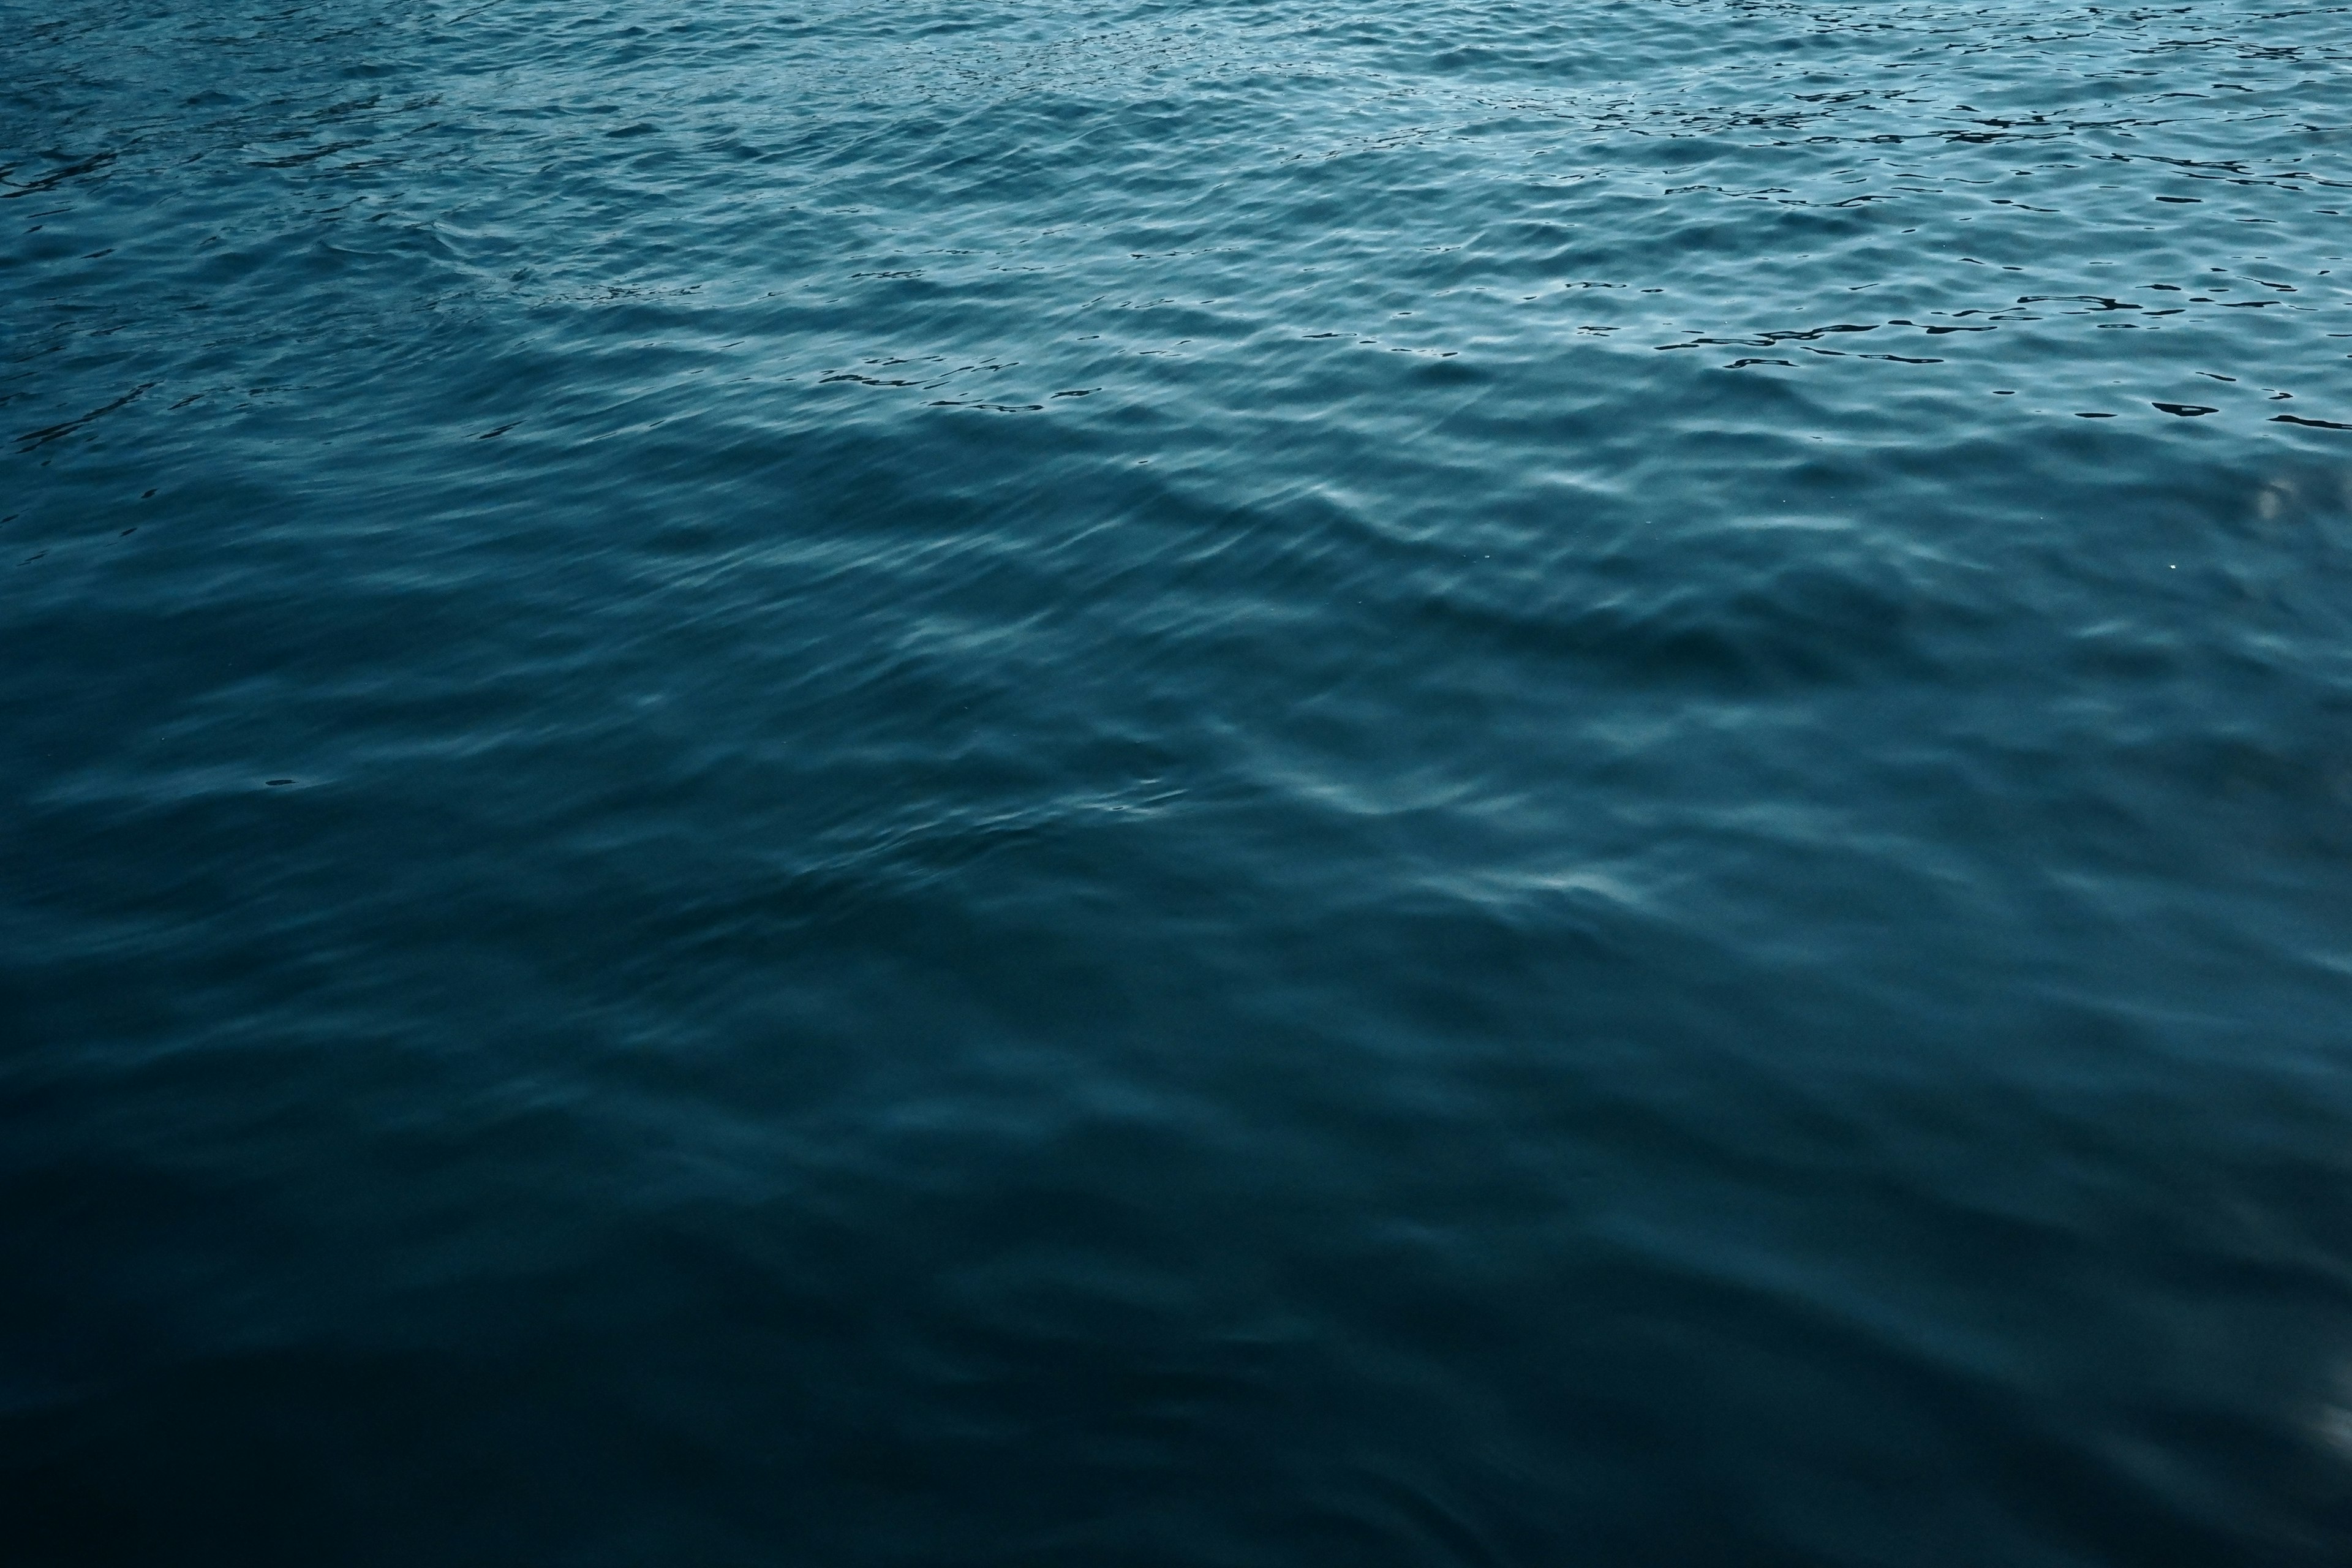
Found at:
<point>1265,784</point>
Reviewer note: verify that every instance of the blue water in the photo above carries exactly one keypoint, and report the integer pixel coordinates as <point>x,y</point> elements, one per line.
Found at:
<point>1275,783</point>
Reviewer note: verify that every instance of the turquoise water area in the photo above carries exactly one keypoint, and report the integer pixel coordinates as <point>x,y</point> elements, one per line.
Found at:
<point>876,784</point>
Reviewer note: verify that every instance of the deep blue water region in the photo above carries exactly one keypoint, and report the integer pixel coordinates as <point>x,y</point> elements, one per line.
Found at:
<point>869,785</point>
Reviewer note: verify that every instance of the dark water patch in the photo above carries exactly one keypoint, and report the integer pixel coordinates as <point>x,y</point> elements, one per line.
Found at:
<point>1247,784</point>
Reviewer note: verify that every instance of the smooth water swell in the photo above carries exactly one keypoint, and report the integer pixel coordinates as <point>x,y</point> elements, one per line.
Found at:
<point>1253,784</point>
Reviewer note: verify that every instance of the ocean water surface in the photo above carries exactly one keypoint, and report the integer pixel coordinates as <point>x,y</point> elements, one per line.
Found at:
<point>884,782</point>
